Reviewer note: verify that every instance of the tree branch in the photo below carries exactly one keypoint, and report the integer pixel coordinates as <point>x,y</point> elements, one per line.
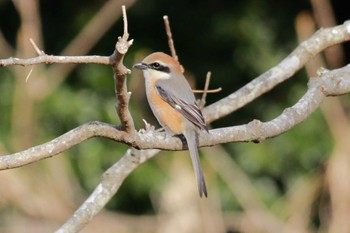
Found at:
<point>203,100</point>
<point>330,83</point>
<point>322,39</point>
<point>51,59</point>
<point>120,74</point>
<point>170,37</point>
<point>60,144</point>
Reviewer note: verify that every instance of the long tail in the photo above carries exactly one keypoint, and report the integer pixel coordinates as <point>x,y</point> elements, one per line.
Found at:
<point>191,138</point>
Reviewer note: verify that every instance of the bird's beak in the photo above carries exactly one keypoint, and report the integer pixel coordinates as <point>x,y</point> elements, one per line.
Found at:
<point>140,66</point>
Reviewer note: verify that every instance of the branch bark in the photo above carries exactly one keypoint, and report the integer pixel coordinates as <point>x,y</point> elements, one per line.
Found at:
<point>52,59</point>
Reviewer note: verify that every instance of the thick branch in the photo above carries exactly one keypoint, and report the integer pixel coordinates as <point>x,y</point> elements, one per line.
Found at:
<point>61,144</point>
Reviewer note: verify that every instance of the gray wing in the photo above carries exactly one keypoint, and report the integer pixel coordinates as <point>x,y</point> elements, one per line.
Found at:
<point>171,90</point>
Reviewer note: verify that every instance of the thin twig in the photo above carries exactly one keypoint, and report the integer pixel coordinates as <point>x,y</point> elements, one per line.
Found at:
<point>205,91</point>
<point>36,48</point>
<point>171,41</point>
<point>170,37</point>
<point>211,91</point>
<point>125,20</point>
<point>30,72</point>
<point>51,59</point>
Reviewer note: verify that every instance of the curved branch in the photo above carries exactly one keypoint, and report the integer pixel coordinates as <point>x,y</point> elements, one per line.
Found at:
<point>322,39</point>
<point>60,144</point>
<point>330,83</point>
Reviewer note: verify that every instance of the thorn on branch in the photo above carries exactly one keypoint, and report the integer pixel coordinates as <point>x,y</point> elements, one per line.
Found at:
<point>30,72</point>
<point>36,48</point>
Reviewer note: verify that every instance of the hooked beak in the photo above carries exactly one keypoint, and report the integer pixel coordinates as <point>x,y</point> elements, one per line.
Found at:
<point>141,66</point>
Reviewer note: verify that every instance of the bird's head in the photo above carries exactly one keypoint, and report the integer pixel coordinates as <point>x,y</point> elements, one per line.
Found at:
<point>158,66</point>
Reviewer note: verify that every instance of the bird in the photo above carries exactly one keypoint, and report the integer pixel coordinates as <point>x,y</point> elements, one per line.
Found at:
<point>174,105</point>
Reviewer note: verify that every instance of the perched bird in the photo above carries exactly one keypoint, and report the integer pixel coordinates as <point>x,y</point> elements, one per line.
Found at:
<point>174,105</point>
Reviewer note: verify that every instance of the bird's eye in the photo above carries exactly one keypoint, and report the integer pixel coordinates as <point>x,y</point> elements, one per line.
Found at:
<point>159,67</point>
<point>156,65</point>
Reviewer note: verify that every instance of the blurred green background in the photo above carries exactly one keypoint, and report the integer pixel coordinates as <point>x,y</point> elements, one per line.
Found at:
<point>235,40</point>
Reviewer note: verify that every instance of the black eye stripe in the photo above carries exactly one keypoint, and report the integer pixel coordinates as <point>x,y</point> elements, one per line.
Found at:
<point>159,67</point>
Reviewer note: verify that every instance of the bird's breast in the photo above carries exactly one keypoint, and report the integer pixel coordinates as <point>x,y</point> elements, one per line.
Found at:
<point>166,115</point>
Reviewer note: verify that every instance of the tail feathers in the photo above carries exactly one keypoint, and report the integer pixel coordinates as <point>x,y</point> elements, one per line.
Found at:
<point>191,138</point>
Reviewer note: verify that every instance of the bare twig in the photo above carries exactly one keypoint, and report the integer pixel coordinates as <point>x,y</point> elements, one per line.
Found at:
<point>171,41</point>
<point>170,37</point>
<point>205,91</point>
<point>51,59</point>
<point>36,48</point>
<point>211,91</point>
<point>30,72</point>
<point>120,73</point>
